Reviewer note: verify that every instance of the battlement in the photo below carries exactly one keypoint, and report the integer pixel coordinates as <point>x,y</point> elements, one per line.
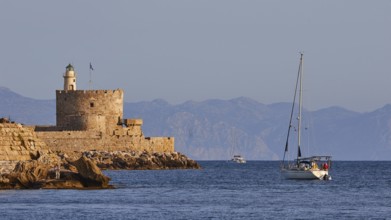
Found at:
<point>128,122</point>
<point>96,92</point>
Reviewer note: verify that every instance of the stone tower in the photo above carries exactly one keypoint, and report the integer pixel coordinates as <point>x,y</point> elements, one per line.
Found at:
<point>87,110</point>
<point>69,78</point>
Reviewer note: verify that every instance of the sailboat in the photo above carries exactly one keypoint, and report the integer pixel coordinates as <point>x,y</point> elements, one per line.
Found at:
<point>313,167</point>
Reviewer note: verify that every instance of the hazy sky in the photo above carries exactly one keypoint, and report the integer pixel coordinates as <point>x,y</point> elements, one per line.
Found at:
<point>196,50</point>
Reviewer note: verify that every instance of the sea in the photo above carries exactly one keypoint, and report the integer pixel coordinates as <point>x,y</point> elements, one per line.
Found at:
<point>220,190</point>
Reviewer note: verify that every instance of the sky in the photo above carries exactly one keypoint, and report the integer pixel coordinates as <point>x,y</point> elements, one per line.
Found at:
<point>180,50</point>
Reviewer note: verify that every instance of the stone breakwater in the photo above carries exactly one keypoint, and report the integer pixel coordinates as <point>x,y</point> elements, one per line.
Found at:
<point>140,160</point>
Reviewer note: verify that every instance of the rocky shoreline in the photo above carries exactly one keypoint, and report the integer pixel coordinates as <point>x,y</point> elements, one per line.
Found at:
<point>49,172</point>
<point>82,170</point>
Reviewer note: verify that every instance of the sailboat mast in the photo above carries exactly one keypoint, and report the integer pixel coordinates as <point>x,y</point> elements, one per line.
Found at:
<point>300,107</point>
<point>292,111</point>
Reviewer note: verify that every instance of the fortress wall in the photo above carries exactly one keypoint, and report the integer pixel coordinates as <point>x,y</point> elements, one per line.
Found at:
<point>71,140</point>
<point>56,132</point>
<point>18,143</point>
<point>128,131</point>
<point>159,144</point>
<point>69,134</point>
<point>45,128</point>
<point>122,140</point>
<point>98,110</point>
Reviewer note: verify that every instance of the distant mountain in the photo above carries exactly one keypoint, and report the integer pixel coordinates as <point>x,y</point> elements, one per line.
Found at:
<point>26,110</point>
<point>213,129</point>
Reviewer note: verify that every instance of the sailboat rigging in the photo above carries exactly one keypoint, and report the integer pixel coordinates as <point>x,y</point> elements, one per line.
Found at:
<point>302,167</point>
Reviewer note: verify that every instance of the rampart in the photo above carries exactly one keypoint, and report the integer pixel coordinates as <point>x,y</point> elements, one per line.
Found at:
<point>124,137</point>
<point>70,141</point>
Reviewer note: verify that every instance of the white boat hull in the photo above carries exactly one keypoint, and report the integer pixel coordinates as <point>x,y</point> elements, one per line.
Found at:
<point>238,159</point>
<point>304,174</point>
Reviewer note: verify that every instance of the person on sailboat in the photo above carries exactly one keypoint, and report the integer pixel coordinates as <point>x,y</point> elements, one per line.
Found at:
<point>314,165</point>
<point>325,166</point>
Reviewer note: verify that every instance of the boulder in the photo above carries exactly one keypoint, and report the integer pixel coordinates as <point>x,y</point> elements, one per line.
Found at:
<point>41,174</point>
<point>90,173</point>
<point>31,174</point>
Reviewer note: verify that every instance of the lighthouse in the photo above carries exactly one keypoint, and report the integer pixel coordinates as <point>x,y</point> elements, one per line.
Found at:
<point>69,78</point>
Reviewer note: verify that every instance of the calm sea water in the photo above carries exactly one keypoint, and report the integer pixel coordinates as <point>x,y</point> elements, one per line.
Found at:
<point>221,190</point>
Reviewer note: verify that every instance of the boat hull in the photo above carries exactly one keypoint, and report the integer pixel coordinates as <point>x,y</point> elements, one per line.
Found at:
<point>238,159</point>
<point>304,174</point>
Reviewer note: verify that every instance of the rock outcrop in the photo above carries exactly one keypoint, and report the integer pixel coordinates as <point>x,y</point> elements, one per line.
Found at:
<point>41,174</point>
<point>90,174</point>
<point>27,163</point>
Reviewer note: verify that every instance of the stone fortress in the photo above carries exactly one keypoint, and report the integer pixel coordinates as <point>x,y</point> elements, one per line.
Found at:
<point>93,120</point>
<point>90,134</point>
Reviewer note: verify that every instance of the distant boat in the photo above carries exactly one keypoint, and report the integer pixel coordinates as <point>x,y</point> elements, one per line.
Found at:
<point>314,167</point>
<point>238,159</point>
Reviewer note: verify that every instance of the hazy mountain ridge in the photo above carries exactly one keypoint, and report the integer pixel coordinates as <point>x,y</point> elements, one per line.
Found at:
<point>26,110</point>
<point>211,129</point>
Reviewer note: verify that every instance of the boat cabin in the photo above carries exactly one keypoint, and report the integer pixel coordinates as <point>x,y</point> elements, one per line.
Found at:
<point>314,163</point>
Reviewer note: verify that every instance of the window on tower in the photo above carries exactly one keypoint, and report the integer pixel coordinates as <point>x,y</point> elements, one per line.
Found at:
<point>91,104</point>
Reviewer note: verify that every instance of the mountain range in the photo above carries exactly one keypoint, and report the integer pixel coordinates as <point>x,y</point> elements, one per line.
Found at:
<point>216,129</point>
